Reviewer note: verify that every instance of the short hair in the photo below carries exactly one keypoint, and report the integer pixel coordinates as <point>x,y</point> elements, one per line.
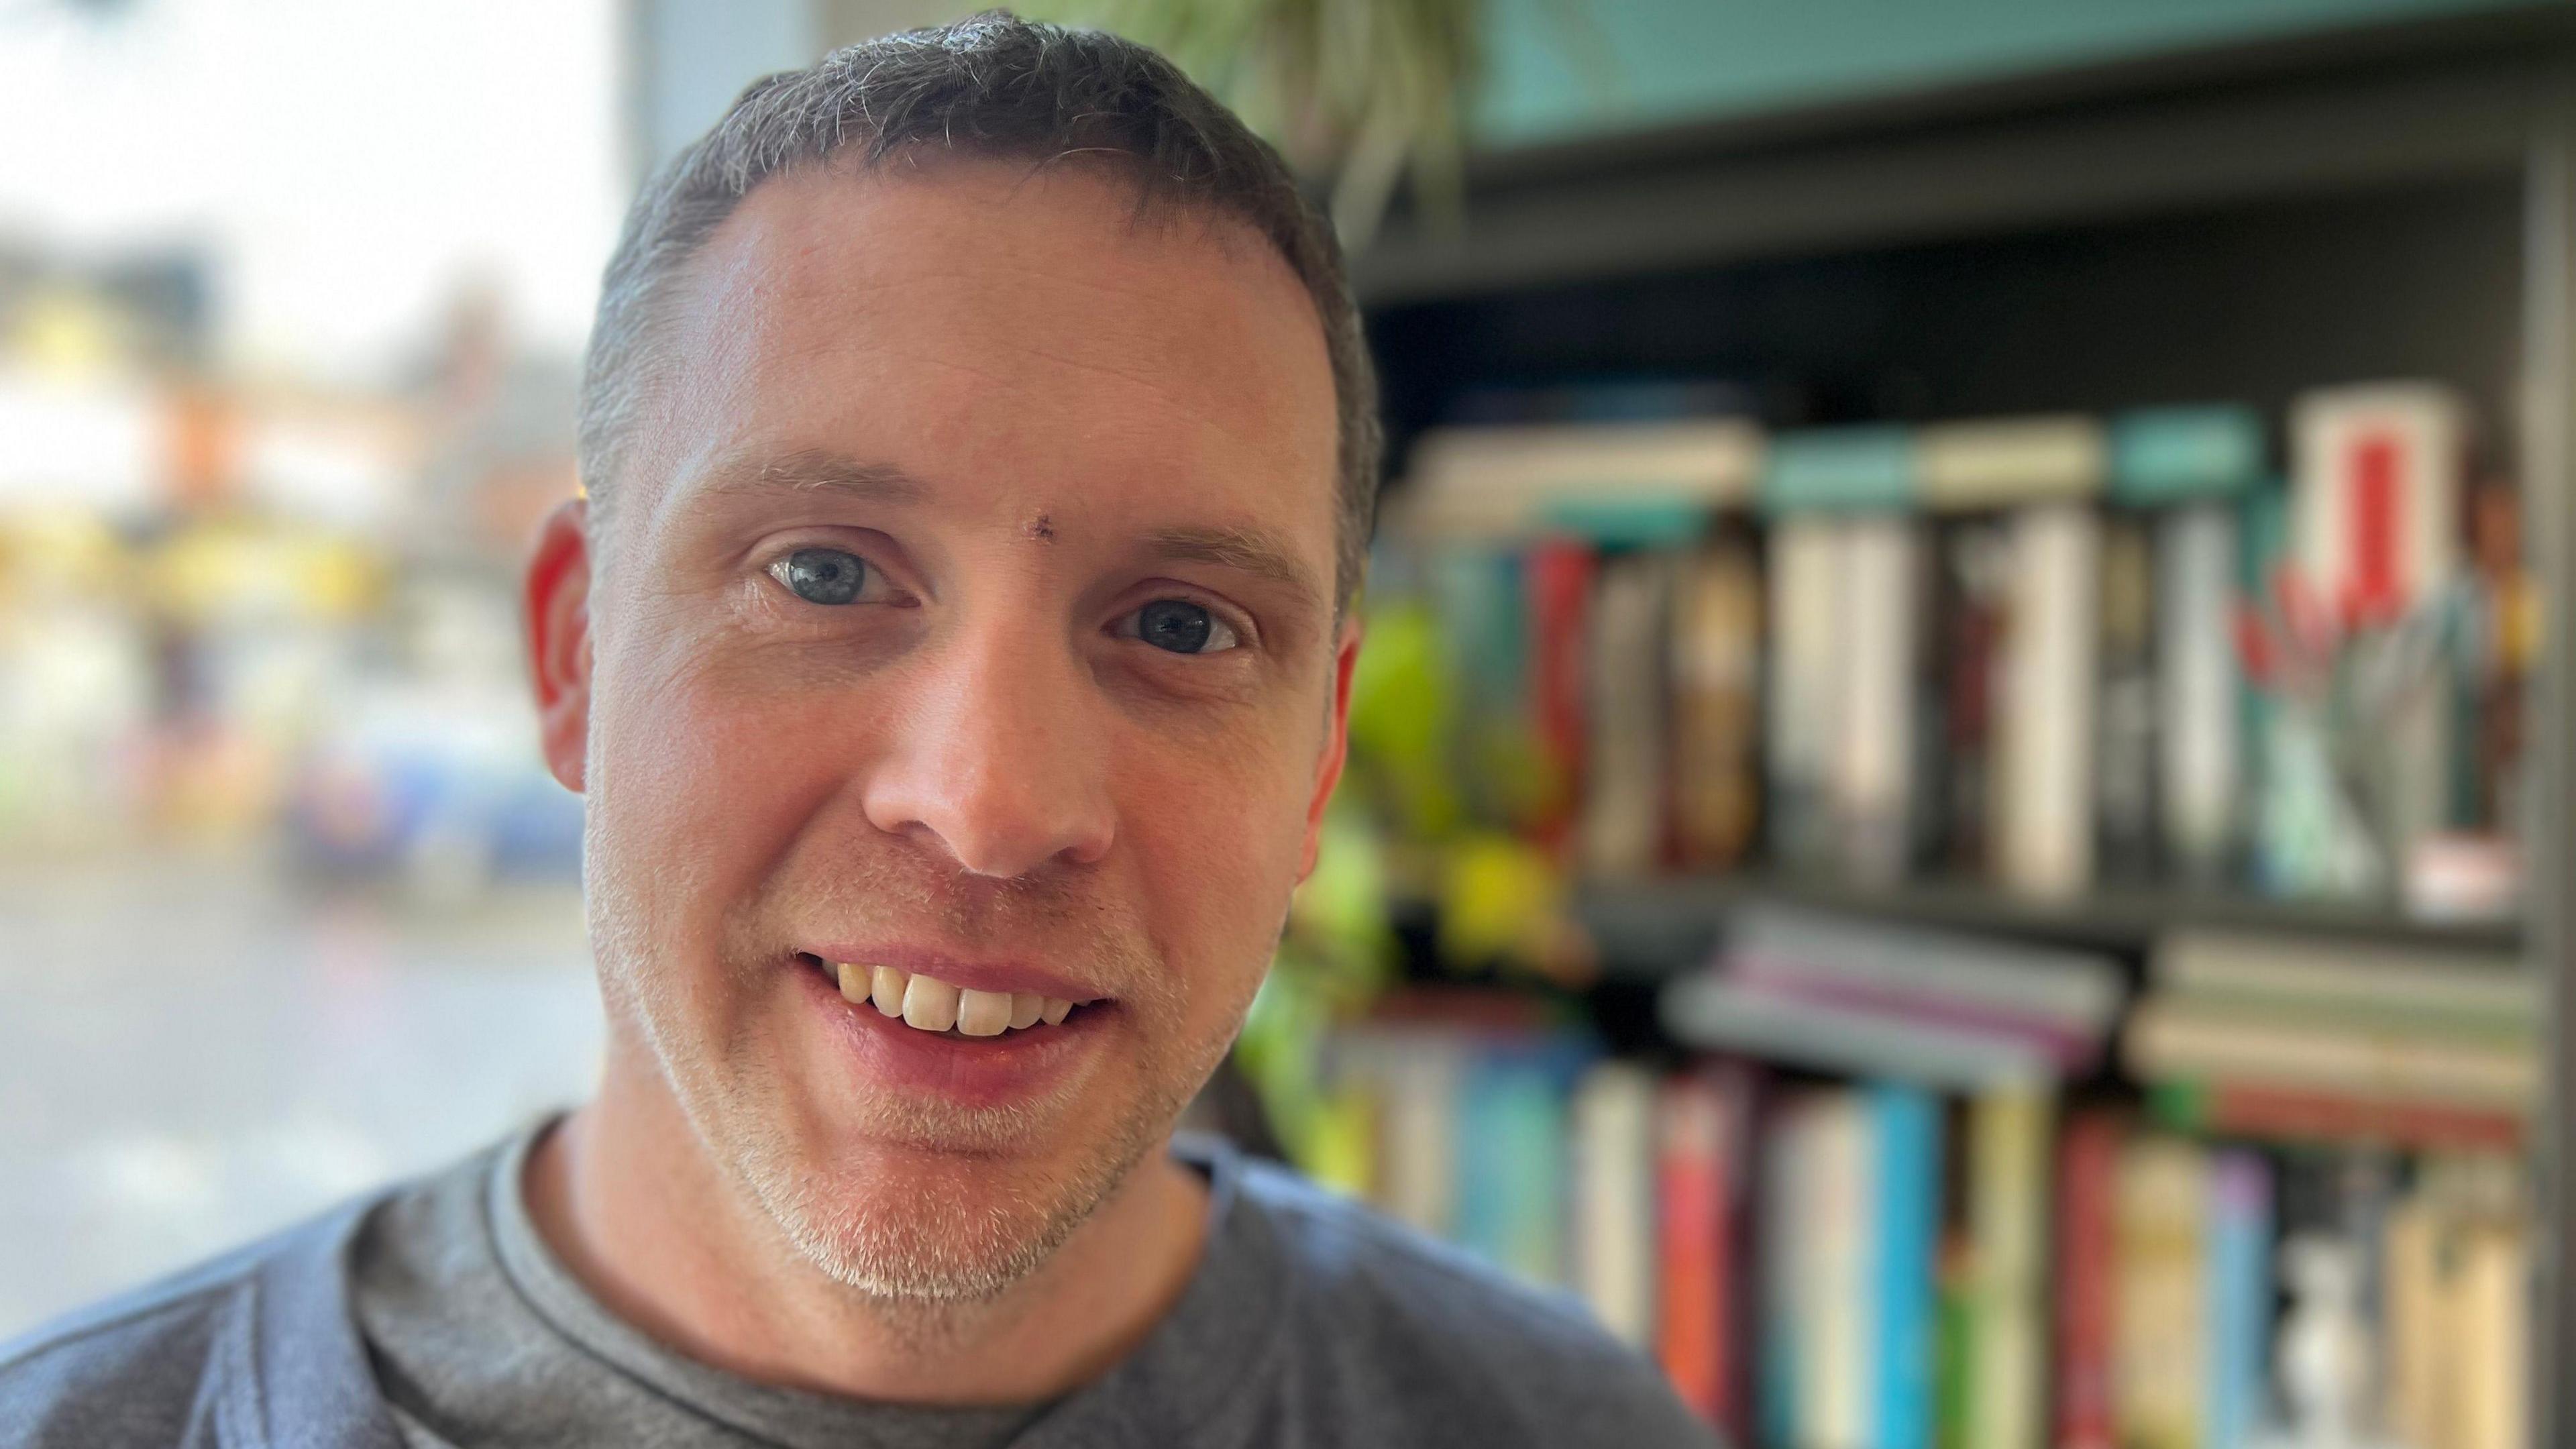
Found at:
<point>1000,87</point>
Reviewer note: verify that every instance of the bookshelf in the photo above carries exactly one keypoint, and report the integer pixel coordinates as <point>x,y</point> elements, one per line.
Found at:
<point>2197,225</point>
<point>1652,928</point>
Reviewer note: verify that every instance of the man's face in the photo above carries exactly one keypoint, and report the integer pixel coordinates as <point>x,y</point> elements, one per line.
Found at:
<point>965,606</point>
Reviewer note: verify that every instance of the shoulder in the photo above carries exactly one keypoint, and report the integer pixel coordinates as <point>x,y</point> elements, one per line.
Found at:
<point>143,1367</point>
<point>1439,1336</point>
<point>207,1355</point>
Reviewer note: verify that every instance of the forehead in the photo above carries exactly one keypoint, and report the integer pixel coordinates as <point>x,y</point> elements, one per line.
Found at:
<point>992,325</point>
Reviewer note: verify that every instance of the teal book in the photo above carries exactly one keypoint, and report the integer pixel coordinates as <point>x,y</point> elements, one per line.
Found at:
<point>1906,1140</point>
<point>1855,468</point>
<point>2186,454</point>
<point>1512,1163</point>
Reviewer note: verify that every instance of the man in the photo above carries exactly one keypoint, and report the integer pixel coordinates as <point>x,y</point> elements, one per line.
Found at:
<point>953,647</point>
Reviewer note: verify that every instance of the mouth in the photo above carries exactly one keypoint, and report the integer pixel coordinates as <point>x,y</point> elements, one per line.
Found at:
<point>935,1008</point>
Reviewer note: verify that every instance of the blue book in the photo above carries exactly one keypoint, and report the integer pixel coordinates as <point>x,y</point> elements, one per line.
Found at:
<point>1906,1128</point>
<point>2239,1298</point>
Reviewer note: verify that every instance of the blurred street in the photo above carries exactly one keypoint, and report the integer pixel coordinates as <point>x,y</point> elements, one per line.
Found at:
<point>195,1053</point>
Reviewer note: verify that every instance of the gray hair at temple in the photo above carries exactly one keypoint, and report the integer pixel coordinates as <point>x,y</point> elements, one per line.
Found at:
<point>997,86</point>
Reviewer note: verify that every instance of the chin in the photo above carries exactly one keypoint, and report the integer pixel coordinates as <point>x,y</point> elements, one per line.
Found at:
<point>934,1203</point>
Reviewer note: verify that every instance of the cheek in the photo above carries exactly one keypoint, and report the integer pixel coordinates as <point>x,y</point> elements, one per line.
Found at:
<point>699,782</point>
<point>1216,838</point>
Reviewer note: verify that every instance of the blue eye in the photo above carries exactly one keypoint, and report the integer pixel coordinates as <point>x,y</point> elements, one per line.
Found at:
<point>1181,627</point>
<point>822,575</point>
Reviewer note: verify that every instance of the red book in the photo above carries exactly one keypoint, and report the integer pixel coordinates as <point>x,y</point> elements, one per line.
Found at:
<point>2088,1165</point>
<point>1560,575</point>
<point>1703,1130</point>
<point>2238,1110</point>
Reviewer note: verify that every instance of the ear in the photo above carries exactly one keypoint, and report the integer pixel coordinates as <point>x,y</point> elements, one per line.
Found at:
<point>558,623</point>
<point>1328,768</point>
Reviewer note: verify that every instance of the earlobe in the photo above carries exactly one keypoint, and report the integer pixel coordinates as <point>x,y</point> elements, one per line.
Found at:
<point>1328,771</point>
<point>558,625</point>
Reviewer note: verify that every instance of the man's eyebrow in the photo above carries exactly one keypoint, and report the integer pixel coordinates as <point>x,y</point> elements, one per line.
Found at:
<point>814,470</point>
<point>1248,549</point>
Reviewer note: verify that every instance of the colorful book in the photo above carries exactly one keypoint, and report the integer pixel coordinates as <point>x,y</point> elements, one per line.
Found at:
<point>1867,469</point>
<point>2238,1299</point>
<point>2163,457</point>
<point>1872,777</point>
<point>1511,1155</point>
<point>2008,1224</point>
<point>1714,1013</point>
<point>1970,607</point>
<point>2471,989</point>
<point>2264,1113</point>
<point>1622,830</point>
<point>1918,970</point>
<point>2126,780</point>
<point>2009,462</point>
<point>2496,1356</point>
<point>1419,1078</point>
<point>1704,1178</point>
<point>2377,494</point>
<point>1613,1210</point>
<point>1905,1176</point>
<point>1804,702</point>
<point>1838,1378</point>
<point>1717,705</point>
<point>2043,819</point>
<point>1560,575</point>
<point>2160,1299</point>
<point>1508,480</point>
<point>2087,1258</point>
<point>2170,1038</point>
<point>2199,716</point>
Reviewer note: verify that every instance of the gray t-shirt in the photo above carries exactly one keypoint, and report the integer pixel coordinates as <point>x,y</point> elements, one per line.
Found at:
<point>481,1338</point>
<point>432,1314</point>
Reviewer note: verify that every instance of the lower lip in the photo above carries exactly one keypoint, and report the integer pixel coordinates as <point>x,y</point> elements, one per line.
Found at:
<point>977,1071</point>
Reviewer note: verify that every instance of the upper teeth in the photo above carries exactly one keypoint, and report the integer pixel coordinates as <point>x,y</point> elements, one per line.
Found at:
<point>933,1005</point>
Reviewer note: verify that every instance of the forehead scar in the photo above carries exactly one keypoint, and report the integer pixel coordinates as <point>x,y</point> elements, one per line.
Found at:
<point>1041,528</point>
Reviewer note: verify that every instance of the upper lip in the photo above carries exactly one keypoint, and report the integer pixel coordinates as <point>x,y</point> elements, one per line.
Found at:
<point>985,974</point>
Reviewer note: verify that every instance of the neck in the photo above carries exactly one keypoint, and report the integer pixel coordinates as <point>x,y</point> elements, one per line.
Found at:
<point>624,1193</point>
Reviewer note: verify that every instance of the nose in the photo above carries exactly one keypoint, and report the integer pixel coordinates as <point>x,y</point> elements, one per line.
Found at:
<point>998,752</point>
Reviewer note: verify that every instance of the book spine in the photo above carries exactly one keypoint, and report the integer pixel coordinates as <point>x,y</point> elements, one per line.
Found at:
<point>1705,1224</point>
<point>1717,689</point>
<point>2008,1211</point>
<point>1906,1214</point>
<point>2279,1114</point>
<point>2126,782</point>
<point>1560,576</point>
<point>1614,1209</point>
<point>1804,704</point>
<point>2196,551</point>
<point>2496,1289</point>
<point>1794,1241</point>
<point>1872,775</point>
<point>1690,1335</point>
<point>1969,612</point>
<point>2239,1297</point>
<point>1840,1351</point>
<point>1624,777</point>
<point>2046,753</point>
<point>2162,1318</point>
<point>2378,495</point>
<point>2086,1254</point>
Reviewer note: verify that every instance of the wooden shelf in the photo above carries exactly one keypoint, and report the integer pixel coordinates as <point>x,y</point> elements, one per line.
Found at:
<point>1651,928</point>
